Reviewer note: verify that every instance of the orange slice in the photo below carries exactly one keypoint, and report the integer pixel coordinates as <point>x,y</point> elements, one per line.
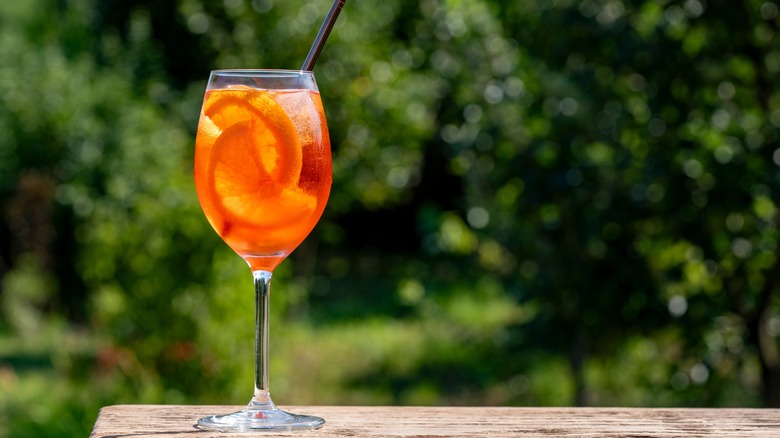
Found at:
<point>278,143</point>
<point>256,160</point>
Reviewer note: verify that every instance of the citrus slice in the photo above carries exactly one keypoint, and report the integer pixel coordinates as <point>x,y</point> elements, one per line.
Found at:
<point>277,142</point>
<point>255,165</point>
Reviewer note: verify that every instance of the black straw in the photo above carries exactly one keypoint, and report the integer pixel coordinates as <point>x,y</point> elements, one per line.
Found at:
<point>319,42</point>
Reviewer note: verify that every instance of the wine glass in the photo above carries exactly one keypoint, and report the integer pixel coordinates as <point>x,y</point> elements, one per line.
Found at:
<point>263,176</point>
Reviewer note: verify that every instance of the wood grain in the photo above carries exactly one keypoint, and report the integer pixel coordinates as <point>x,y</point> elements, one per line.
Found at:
<point>353,421</point>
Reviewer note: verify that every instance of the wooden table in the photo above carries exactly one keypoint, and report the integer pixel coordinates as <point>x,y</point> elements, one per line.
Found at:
<point>353,421</point>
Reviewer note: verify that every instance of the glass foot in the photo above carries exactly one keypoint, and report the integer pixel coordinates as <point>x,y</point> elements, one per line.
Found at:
<point>248,419</point>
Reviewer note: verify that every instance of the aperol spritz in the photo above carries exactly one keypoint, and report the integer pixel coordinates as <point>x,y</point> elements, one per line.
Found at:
<point>263,176</point>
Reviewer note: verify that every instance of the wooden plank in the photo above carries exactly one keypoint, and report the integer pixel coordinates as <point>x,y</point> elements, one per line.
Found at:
<point>353,421</point>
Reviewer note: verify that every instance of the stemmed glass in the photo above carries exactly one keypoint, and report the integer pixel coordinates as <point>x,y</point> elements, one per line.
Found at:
<point>263,176</point>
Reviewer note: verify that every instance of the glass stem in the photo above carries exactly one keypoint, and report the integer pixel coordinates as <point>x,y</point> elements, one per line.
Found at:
<point>262,395</point>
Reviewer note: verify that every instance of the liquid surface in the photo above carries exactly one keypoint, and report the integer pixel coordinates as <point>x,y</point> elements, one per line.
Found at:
<point>262,169</point>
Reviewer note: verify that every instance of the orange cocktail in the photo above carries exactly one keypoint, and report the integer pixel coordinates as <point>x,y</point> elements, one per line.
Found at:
<point>262,169</point>
<point>263,176</point>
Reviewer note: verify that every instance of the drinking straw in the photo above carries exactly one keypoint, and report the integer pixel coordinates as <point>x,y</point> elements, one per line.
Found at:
<point>319,42</point>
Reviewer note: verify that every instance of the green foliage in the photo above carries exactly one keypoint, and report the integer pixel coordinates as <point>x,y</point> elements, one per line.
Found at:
<point>534,203</point>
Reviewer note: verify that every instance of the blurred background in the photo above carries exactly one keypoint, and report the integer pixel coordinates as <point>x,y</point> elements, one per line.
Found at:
<point>544,203</point>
